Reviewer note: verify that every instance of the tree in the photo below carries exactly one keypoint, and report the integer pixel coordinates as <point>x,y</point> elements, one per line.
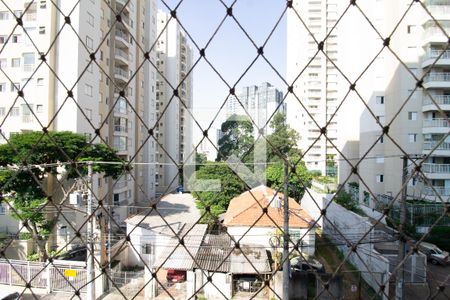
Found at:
<point>283,140</point>
<point>297,182</point>
<point>231,186</point>
<point>25,188</point>
<point>200,159</point>
<point>237,138</point>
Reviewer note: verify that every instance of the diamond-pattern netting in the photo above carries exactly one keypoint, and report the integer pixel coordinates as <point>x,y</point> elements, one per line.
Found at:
<point>105,69</point>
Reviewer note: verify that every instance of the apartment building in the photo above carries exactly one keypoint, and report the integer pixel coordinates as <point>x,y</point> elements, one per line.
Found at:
<point>173,103</point>
<point>73,92</point>
<point>417,115</point>
<point>315,79</point>
<point>259,102</point>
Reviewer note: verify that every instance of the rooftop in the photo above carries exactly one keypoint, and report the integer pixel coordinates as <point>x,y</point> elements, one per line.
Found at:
<point>247,209</point>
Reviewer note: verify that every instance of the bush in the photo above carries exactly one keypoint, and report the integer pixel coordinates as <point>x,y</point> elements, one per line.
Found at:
<point>24,236</point>
<point>345,200</point>
<point>440,236</point>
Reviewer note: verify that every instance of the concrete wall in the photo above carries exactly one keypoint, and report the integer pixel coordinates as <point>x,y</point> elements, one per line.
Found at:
<point>341,226</point>
<point>262,236</point>
<point>20,249</point>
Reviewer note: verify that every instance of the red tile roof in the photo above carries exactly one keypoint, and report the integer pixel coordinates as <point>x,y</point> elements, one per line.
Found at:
<point>244,210</point>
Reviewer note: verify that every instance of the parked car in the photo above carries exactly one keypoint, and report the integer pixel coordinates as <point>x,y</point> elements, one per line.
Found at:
<point>434,254</point>
<point>300,264</point>
<point>175,275</point>
<point>76,254</point>
<point>8,295</point>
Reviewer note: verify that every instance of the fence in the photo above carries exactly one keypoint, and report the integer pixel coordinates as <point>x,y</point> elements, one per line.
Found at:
<point>94,91</point>
<point>58,277</point>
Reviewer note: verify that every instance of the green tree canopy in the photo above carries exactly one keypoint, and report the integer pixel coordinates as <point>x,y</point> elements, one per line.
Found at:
<point>237,138</point>
<point>283,140</point>
<point>25,188</point>
<point>231,186</point>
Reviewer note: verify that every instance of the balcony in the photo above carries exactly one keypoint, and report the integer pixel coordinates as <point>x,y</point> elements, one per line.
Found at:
<point>122,57</point>
<point>434,34</point>
<point>121,75</point>
<point>437,80</point>
<point>442,191</point>
<point>121,4</point>
<point>442,149</point>
<point>122,38</point>
<point>436,126</point>
<point>436,171</point>
<point>438,11</point>
<point>433,54</point>
<point>442,100</point>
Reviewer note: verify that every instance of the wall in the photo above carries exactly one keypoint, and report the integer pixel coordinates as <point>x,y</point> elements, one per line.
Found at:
<point>262,235</point>
<point>340,226</point>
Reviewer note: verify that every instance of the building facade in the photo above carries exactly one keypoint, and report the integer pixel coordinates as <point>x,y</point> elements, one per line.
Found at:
<point>174,101</point>
<point>90,83</point>
<point>314,78</point>
<point>417,115</point>
<point>259,103</point>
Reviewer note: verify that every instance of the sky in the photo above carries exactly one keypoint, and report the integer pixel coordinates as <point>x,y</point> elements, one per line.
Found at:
<point>230,51</point>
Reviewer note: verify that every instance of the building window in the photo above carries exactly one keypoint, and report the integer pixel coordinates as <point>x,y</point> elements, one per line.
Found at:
<point>412,115</point>
<point>89,43</point>
<point>412,137</point>
<point>43,4</point>
<point>380,119</point>
<point>2,111</point>
<point>380,99</point>
<point>90,19</point>
<point>88,90</point>
<point>410,28</point>
<point>88,113</point>
<point>28,60</point>
<point>147,249</point>
<point>15,38</point>
<point>380,178</point>
<point>39,108</point>
<point>2,87</point>
<point>4,15</point>
<point>40,81</point>
<point>15,86</point>
<point>41,29</point>
<point>3,63</point>
<point>15,62</point>
<point>14,112</point>
<point>381,139</point>
<point>3,39</point>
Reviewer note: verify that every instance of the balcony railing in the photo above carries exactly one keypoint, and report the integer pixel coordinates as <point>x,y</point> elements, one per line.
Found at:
<point>437,77</point>
<point>440,190</point>
<point>434,53</point>
<point>122,35</point>
<point>431,144</point>
<point>122,54</point>
<point>28,68</point>
<point>120,128</point>
<point>436,168</point>
<point>439,9</point>
<point>121,72</point>
<point>29,16</point>
<point>436,123</point>
<point>439,99</point>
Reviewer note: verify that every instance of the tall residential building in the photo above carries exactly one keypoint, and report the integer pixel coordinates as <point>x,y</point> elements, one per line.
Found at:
<point>422,125</point>
<point>173,103</point>
<point>260,102</point>
<point>316,86</point>
<point>112,93</point>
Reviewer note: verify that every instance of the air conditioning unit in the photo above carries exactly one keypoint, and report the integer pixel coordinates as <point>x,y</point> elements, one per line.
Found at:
<point>75,198</point>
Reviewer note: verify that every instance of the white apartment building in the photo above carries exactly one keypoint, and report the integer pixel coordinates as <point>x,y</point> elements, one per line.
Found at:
<point>259,103</point>
<point>106,97</point>
<point>316,88</point>
<point>174,103</point>
<point>423,123</point>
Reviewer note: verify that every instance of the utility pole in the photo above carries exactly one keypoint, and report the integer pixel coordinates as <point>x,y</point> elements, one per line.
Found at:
<point>90,239</point>
<point>286,263</point>
<point>400,281</point>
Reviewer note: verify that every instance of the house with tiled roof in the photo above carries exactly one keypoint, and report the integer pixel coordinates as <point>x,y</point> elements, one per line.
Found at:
<point>257,216</point>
